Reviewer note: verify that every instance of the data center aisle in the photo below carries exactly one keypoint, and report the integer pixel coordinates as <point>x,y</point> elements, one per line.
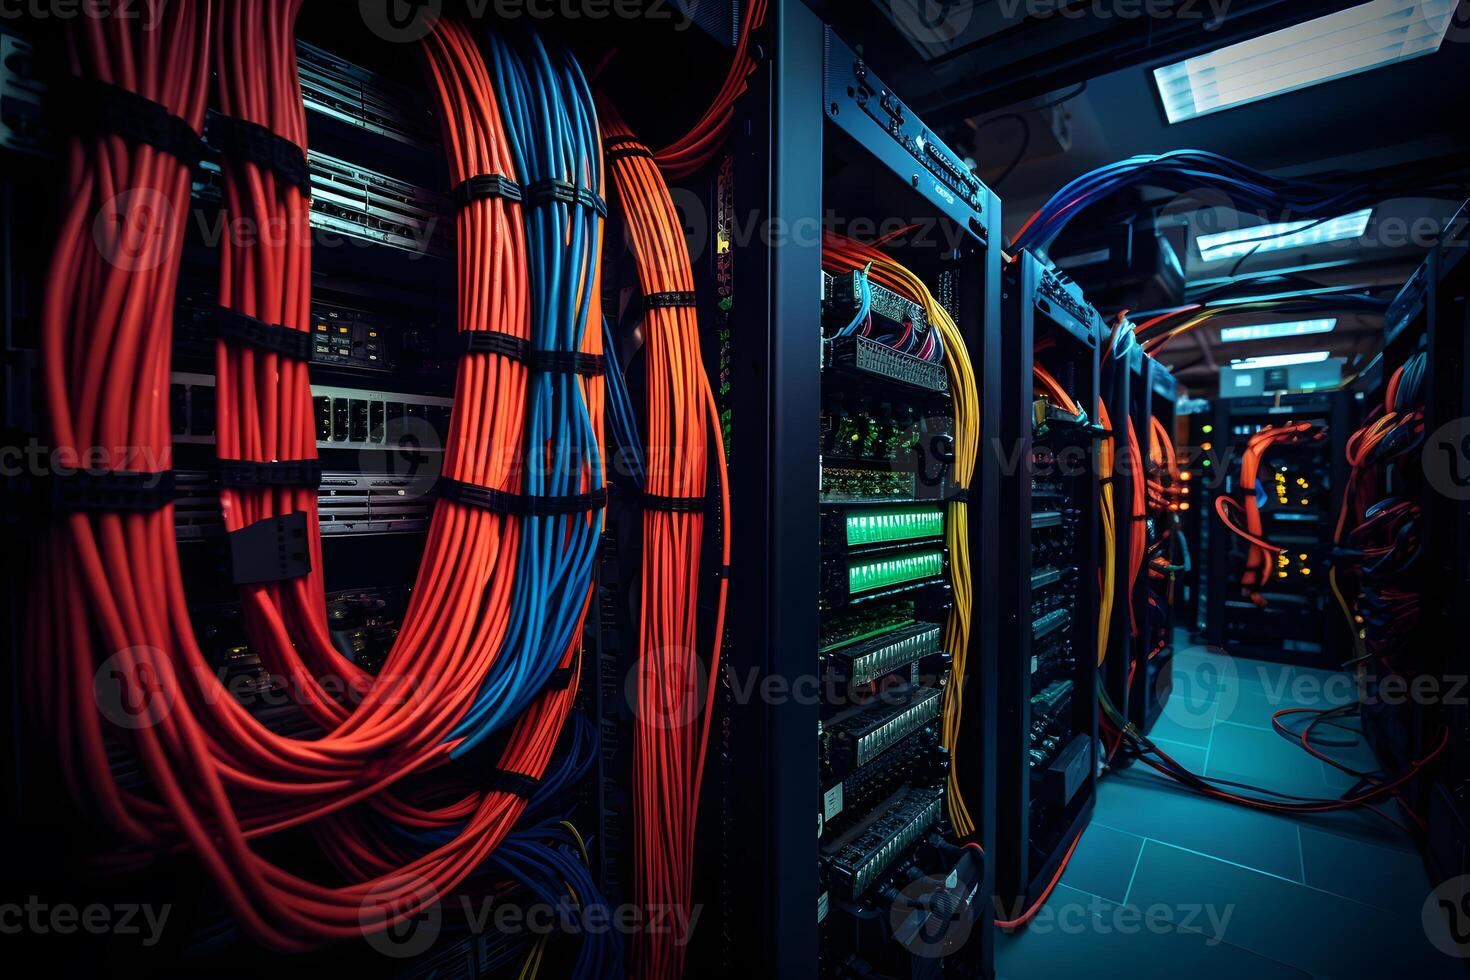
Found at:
<point>1167,883</point>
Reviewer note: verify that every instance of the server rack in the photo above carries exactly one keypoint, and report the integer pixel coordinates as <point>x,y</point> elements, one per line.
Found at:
<point>1431,316</point>
<point>1118,382</point>
<point>1047,747</point>
<point>1295,626</point>
<point>851,153</point>
<point>1153,681</point>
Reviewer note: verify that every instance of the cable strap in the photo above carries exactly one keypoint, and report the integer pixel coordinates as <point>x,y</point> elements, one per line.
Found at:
<point>303,473</point>
<point>484,186</point>
<point>563,192</point>
<point>273,550</point>
<point>673,505</point>
<point>658,301</point>
<point>961,496</point>
<point>111,491</point>
<point>545,361</point>
<point>518,505</point>
<point>250,142</point>
<point>515,783</point>
<point>93,107</point>
<point>242,328</point>
<point>624,147</point>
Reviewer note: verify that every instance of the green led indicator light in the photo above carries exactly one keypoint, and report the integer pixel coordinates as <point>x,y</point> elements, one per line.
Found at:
<point>884,526</point>
<point>885,573</point>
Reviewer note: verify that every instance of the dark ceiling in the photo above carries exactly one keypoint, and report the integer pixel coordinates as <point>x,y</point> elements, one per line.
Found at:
<point>973,68</point>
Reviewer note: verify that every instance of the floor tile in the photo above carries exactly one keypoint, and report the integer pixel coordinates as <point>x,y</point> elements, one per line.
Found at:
<point>1386,878</point>
<point>1315,931</point>
<point>1171,813</point>
<point>1080,935</point>
<point>1104,861</point>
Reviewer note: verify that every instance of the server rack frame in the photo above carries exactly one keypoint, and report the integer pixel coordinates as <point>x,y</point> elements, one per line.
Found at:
<point>1438,323</point>
<point>1119,372</point>
<point>1153,683</point>
<point>1017,876</point>
<point>778,150</point>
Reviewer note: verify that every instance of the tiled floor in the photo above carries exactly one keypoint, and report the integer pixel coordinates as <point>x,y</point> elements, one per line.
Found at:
<point>1166,883</point>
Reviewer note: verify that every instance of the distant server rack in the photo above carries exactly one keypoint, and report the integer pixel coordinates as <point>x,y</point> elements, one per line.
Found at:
<point>1046,669</point>
<point>844,454</point>
<point>1294,621</point>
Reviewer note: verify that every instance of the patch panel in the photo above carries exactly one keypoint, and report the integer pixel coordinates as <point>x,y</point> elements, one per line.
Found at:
<point>347,504</point>
<point>858,858</point>
<point>359,204</point>
<point>338,89</point>
<point>865,661</point>
<point>346,418</point>
<point>858,736</point>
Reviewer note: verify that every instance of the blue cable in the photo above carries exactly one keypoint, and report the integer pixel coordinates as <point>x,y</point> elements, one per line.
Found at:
<point>620,409</point>
<point>551,129</point>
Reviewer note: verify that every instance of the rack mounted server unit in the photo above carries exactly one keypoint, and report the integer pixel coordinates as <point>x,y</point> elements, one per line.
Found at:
<point>1047,746</point>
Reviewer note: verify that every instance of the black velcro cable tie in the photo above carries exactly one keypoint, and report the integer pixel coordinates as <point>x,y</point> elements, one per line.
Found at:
<point>303,473</point>
<point>246,141</point>
<point>567,362</point>
<point>958,497</point>
<point>496,342</point>
<point>92,107</point>
<point>659,301</point>
<point>515,783</point>
<point>241,328</point>
<point>544,361</point>
<point>562,192</point>
<point>273,550</point>
<point>624,147</point>
<point>111,491</point>
<point>518,505</point>
<point>723,572</point>
<point>560,679</point>
<point>484,186</point>
<point>673,505</point>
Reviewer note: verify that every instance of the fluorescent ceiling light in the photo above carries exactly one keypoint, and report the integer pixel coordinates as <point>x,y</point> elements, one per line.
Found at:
<point>1270,331</point>
<point>1280,360</point>
<point>1287,234</point>
<point>1350,41</point>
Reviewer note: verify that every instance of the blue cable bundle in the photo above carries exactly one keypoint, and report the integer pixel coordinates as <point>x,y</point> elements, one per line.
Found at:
<point>1185,171</point>
<point>620,408</point>
<point>552,130</point>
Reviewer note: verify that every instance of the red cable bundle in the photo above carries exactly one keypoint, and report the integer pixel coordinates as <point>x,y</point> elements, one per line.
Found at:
<point>1260,561</point>
<point>697,147</point>
<point>112,581</point>
<point>673,715</point>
